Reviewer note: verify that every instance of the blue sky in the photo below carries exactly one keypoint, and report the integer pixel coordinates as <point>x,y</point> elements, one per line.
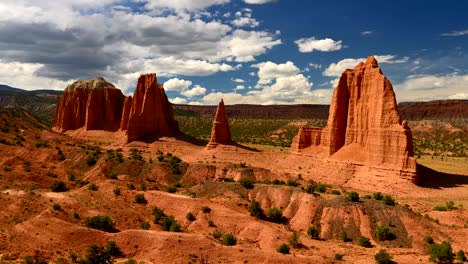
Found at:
<point>245,51</point>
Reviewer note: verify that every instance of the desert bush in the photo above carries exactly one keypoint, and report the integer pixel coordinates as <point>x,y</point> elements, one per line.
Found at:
<point>190,216</point>
<point>76,215</point>
<point>143,187</point>
<point>36,259</point>
<point>93,187</point>
<point>158,215</point>
<point>101,222</point>
<point>338,256</point>
<point>113,176</point>
<point>131,186</point>
<point>135,154</point>
<point>383,257</point>
<point>429,240</point>
<point>388,200</point>
<point>364,242</point>
<point>441,253</point>
<point>58,186</point>
<point>382,232</point>
<point>169,223</point>
<point>174,164</point>
<point>206,209</point>
<point>292,183</point>
<point>242,165</point>
<point>275,215</point>
<point>117,191</point>
<point>256,210</point>
<point>367,196</point>
<point>353,197</point>
<point>171,189</point>
<point>283,249</point>
<point>378,196</point>
<point>140,199</point>
<point>91,161</point>
<point>217,234</point>
<point>131,261</point>
<point>460,257</point>
<point>211,223</point>
<point>313,232</point>
<point>247,183</point>
<point>145,225</point>
<point>98,254</point>
<point>335,192</point>
<point>294,240</point>
<point>229,240</point>
<point>57,207</point>
<point>344,237</point>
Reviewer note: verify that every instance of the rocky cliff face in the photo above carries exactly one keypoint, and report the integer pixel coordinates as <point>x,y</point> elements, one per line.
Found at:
<point>435,110</point>
<point>364,124</point>
<point>220,133</point>
<point>151,114</point>
<point>92,104</point>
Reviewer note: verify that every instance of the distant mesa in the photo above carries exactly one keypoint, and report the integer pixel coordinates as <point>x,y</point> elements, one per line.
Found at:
<point>220,133</point>
<point>364,125</point>
<point>98,105</point>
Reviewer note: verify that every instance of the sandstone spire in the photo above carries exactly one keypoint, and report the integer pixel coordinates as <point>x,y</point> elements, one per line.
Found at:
<point>92,104</point>
<point>151,114</point>
<point>364,124</point>
<point>220,133</point>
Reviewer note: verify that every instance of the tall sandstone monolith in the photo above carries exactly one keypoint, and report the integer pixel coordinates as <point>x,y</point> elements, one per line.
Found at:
<point>151,114</point>
<point>364,125</point>
<point>220,133</point>
<point>92,104</point>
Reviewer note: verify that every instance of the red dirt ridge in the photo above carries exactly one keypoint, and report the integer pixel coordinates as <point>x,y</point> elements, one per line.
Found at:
<point>363,125</point>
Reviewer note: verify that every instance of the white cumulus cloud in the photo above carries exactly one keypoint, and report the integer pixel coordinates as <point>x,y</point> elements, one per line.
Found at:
<point>176,84</point>
<point>311,44</point>
<point>197,90</point>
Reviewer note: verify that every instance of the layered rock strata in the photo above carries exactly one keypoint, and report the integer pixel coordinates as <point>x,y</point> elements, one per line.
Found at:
<point>92,104</point>
<point>220,133</point>
<point>364,125</point>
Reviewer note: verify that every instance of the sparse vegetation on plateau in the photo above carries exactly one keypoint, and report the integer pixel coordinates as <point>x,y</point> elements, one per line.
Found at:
<point>101,222</point>
<point>283,249</point>
<point>58,186</point>
<point>229,240</point>
<point>441,253</point>
<point>364,242</point>
<point>383,257</point>
<point>256,210</point>
<point>313,232</point>
<point>353,197</point>
<point>140,199</point>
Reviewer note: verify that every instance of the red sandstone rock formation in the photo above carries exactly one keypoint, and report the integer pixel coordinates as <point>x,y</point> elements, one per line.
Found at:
<point>127,107</point>
<point>151,114</point>
<point>220,133</point>
<point>364,124</point>
<point>92,104</point>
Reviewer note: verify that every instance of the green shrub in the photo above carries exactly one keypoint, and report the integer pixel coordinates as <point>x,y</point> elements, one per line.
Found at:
<point>388,200</point>
<point>450,205</point>
<point>58,186</point>
<point>313,232</point>
<point>93,187</point>
<point>206,209</point>
<point>211,223</point>
<point>275,215</point>
<point>113,176</point>
<point>382,232</point>
<point>97,254</point>
<point>76,215</point>
<point>378,196</point>
<point>169,223</point>
<point>292,183</point>
<point>117,191</point>
<point>135,154</point>
<point>140,199</point>
<point>36,259</point>
<point>247,183</point>
<point>294,239</point>
<point>440,208</point>
<point>57,207</point>
<point>158,215</point>
<point>283,249</point>
<point>339,256</point>
<point>383,257</point>
<point>368,197</point>
<point>229,240</point>
<point>344,237</point>
<point>131,186</point>
<point>364,242</point>
<point>353,197</point>
<point>131,261</point>
<point>460,257</point>
<point>171,189</point>
<point>145,225</point>
<point>91,161</point>
<point>256,210</point>
<point>217,234</point>
<point>429,240</point>
<point>321,188</point>
<point>335,192</point>
<point>190,216</point>
<point>441,253</point>
<point>143,187</point>
<point>101,222</point>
